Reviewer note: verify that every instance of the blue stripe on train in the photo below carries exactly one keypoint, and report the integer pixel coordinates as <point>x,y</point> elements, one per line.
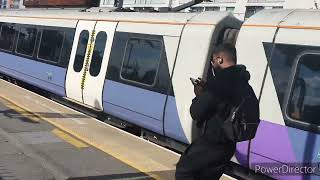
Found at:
<point>34,72</point>
<point>277,144</point>
<point>143,108</point>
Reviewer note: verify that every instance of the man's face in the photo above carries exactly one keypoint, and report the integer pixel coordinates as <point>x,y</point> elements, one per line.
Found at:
<point>216,61</point>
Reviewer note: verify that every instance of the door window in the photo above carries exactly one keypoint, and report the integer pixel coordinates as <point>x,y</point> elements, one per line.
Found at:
<point>98,53</point>
<point>81,50</point>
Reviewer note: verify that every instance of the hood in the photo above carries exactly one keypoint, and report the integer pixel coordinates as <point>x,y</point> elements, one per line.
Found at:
<point>229,80</point>
<point>237,72</point>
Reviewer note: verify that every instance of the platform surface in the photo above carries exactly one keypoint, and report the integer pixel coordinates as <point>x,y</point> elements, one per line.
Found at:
<point>56,142</point>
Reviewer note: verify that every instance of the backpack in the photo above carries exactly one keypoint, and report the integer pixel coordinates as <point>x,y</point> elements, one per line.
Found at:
<point>242,121</point>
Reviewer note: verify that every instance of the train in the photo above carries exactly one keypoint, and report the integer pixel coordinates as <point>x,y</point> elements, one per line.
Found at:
<point>135,67</point>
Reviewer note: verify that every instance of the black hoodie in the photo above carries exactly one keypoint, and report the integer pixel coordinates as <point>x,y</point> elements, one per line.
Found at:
<point>221,92</point>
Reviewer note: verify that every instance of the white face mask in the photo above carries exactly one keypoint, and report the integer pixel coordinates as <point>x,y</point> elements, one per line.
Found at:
<point>212,69</point>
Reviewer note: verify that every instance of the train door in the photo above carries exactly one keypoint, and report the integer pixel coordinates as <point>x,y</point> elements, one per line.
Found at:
<point>88,62</point>
<point>97,65</point>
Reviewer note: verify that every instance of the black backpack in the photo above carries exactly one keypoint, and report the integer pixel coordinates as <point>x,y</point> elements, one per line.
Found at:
<point>242,122</point>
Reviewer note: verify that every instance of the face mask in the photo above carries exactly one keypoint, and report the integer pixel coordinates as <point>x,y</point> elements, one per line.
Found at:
<point>212,69</point>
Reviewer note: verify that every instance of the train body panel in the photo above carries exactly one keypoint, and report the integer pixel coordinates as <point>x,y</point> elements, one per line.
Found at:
<point>68,23</point>
<point>251,51</point>
<point>193,61</point>
<point>289,131</point>
<point>301,19</point>
<point>25,56</point>
<point>140,64</point>
<point>172,125</point>
<point>42,75</point>
<point>148,28</point>
<point>135,105</point>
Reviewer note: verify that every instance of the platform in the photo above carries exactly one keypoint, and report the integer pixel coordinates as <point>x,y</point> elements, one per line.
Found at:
<point>67,144</point>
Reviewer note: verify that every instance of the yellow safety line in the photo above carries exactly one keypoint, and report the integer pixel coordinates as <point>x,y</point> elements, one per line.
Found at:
<point>90,142</point>
<point>69,138</point>
<point>90,48</point>
<point>31,116</point>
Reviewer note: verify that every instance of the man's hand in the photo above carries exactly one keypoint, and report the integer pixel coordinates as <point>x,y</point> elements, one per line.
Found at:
<point>198,88</point>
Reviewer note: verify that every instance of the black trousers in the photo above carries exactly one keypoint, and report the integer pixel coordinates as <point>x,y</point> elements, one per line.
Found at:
<point>204,160</point>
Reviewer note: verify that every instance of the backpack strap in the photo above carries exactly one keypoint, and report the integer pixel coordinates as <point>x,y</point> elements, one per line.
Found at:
<point>237,108</point>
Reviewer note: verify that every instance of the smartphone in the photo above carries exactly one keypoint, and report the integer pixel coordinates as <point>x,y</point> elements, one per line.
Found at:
<point>194,81</point>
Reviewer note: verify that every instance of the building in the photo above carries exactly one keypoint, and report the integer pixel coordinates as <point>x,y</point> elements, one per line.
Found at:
<point>60,3</point>
<point>11,4</point>
<point>241,8</point>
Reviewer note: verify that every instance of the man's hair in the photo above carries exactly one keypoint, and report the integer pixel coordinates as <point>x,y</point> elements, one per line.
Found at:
<point>228,49</point>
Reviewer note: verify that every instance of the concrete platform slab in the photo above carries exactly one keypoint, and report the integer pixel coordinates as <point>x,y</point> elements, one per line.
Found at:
<point>8,149</point>
<point>83,162</point>
<point>39,137</point>
<point>18,123</point>
<point>22,167</point>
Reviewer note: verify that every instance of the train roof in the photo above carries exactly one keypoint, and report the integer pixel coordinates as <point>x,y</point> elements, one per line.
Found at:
<point>286,18</point>
<point>72,16</point>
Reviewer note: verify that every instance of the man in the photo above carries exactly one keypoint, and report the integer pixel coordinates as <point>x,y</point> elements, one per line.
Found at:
<point>208,155</point>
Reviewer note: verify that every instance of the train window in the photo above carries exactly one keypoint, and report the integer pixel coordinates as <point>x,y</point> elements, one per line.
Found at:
<point>50,45</point>
<point>281,63</point>
<point>229,36</point>
<point>251,10</point>
<point>26,41</point>
<point>67,47</point>
<point>7,36</point>
<point>304,100</point>
<point>98,53</point>
<point>230,9</point>
<point>81,50</point>
<point>141,60</point>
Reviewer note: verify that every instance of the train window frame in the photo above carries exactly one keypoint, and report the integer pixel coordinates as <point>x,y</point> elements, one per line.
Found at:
<point>35,42</point>
<point>39,45</point>
<point>14,39</point>
<point>300,124</point>
<point>158,66</point>
<point>64,60</point>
